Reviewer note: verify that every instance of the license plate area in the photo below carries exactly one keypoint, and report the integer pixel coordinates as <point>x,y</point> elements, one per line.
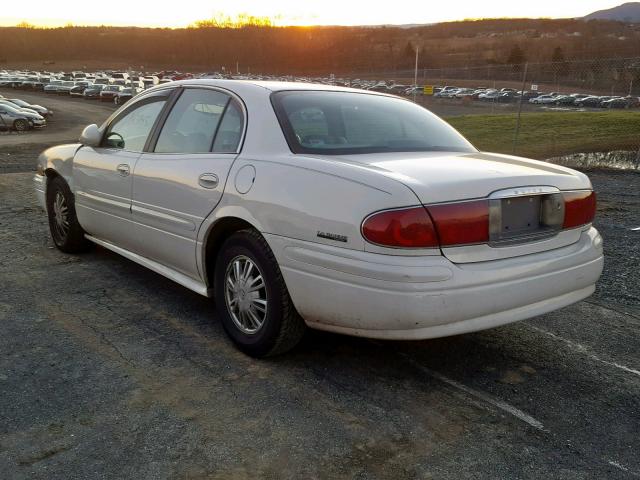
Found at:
<point>524,218</point>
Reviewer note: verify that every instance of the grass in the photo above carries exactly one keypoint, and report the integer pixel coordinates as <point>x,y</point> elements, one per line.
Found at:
<point>545,135</point>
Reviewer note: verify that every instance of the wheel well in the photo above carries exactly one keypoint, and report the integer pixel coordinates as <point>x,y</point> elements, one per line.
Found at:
<point>50,173</point>
<point>222,230</point>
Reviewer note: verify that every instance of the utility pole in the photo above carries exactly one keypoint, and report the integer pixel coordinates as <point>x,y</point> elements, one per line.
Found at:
<point>517,132</point>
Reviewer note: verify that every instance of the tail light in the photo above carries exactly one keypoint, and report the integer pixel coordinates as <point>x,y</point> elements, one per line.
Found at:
<point>579,208</point>
<point>403,228</point>
<point>461,223</point>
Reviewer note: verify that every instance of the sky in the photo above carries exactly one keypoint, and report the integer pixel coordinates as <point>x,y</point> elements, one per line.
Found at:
<point>167,13</point>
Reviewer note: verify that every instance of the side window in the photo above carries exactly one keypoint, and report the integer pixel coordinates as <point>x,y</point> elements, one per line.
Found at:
<point>230,129</point>
<point>130,131</point>
<point>193,122</point>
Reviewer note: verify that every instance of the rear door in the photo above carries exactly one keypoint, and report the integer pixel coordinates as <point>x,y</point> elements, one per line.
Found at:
<point>181,178</point>
<point>103,175</point>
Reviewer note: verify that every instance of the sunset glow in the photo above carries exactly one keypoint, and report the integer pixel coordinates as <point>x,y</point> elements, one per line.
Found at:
<point>282,12</point>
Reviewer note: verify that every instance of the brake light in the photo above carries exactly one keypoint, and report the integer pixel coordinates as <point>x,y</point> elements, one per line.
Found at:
<point>461,223</point>
<point>579,208</point>
<point>403,228</point>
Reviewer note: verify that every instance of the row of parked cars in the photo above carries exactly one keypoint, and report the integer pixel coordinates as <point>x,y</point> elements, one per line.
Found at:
<point>20,116</point>
<point>509,95</point>
<point>116,87</point>
<point>119,87</point>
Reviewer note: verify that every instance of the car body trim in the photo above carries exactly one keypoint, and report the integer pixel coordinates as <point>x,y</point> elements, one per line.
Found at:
<point>102,198</point>
<point>163,217</point>
<point>180,278</point>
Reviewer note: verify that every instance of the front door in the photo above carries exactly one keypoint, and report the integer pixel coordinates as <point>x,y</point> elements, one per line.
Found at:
<point>179,182</point>
<point>103,176</point>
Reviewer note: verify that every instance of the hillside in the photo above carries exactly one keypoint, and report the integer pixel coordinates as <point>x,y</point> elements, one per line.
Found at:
<point>627,12</point>
<point>320,50</point>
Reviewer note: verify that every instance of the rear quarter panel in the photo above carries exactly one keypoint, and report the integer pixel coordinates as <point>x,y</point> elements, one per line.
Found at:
<point>310,199</point>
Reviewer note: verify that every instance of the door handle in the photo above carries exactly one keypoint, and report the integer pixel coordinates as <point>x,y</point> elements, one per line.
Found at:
<point>123,169</point>
<point>208,180</point>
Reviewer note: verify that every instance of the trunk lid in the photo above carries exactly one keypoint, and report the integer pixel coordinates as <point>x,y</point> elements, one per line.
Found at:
<point>438,177</point>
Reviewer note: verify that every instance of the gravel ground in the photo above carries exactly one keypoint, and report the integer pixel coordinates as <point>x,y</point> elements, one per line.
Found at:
<point>108,370</point>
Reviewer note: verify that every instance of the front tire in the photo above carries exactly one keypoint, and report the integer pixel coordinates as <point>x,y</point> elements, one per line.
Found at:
<point>252,299</point>
<point>66,232</point>
<point>21,125</point>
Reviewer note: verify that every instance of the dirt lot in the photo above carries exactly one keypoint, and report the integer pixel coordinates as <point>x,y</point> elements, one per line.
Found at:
<point>71,115</point>
<point>108,370</point>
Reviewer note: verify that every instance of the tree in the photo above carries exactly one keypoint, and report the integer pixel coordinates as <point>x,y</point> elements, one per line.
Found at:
<point>560,67</point>
<point>558,55</point>
<point>409,51</point>
<point>516,56</point>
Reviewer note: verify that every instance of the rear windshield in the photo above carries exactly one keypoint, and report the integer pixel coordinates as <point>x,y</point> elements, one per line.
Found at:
<point>343,123</point>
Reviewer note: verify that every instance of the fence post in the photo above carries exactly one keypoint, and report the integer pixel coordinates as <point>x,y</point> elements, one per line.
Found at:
<point>517,132</point>
<point>415,76</point>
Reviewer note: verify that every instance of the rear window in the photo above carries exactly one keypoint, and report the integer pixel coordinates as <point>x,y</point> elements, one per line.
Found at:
<point>342,123</point>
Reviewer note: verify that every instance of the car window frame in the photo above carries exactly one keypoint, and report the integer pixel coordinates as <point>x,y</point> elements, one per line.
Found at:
<point>155,134</point>
<point>118,114</point>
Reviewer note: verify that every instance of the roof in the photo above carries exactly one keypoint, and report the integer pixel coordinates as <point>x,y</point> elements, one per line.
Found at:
<point>273,86</point>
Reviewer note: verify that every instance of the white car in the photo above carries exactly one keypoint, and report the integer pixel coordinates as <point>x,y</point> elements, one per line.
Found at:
<point>543,99</point>
<point>344,210</point>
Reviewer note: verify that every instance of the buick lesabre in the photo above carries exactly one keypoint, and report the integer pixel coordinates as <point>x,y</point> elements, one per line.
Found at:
<point>299,205</point>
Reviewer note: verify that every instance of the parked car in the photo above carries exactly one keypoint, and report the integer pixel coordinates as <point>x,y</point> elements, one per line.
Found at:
<point>543,99</point>
<point>52,86</point>
<point>290,220</point>
<point>20,120</point>
<point>508,97</point>
<point>108,93</point>
<point>13,105</point>
<point>446,92</point>
<point>79,88</point>
<point>489,95</point>
<point>592,101</point>
<point>93,91</point>
<point>125,95</point>
<point>65,87</point>
<point>621,102</point>
<point>45,112</point>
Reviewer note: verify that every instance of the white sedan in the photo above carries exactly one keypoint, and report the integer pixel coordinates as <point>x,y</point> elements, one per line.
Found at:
<point>298,205</point>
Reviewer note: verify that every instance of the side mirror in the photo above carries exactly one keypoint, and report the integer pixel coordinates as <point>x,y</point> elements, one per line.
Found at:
<point>91,136</point>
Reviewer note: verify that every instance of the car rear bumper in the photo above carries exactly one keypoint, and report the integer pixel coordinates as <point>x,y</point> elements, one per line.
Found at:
<point>393,297</point>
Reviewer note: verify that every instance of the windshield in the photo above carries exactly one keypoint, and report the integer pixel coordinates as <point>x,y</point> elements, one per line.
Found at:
<point>343,123</point>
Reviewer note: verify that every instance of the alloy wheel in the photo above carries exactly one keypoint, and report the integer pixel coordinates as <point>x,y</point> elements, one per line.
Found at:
<point>246,294</point>
<point>60,216</point>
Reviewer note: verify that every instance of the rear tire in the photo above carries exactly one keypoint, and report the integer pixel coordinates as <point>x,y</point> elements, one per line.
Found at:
<point>66,232</point>
<point>252,299</point>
